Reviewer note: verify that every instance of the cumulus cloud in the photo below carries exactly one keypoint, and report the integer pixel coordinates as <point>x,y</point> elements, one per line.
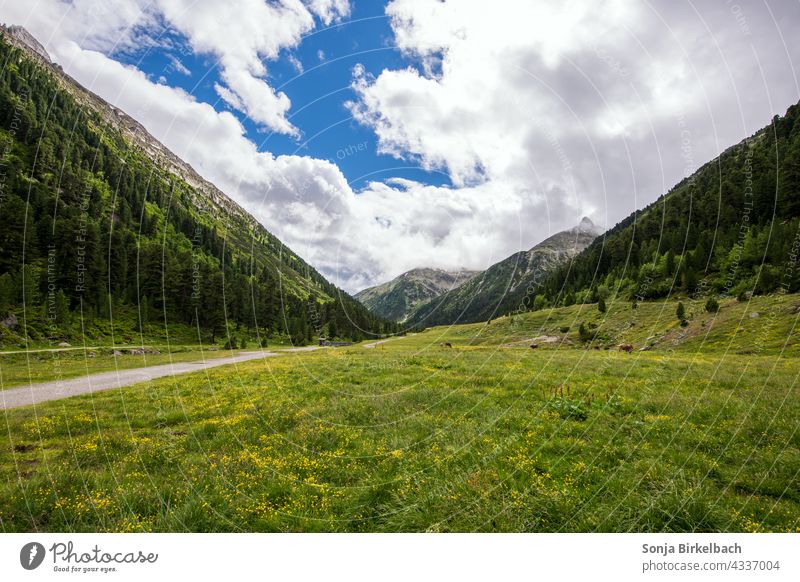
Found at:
<point>592,100</point>
<point>539,113</point>
<point>240,34</point>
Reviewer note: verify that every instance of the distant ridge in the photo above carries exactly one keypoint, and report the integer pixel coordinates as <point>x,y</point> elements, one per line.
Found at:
<point>396,299</point>
<point>502,287</point>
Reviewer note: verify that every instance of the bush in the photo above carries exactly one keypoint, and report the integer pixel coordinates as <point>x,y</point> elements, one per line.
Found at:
<point>564,329</point>
<point>601,305</point>
<point>569,409</point>
<point>230,344</point>
<point>680,311</point>
<point>712,305</point>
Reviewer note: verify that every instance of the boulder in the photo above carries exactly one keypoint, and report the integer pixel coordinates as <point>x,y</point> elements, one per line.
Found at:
<point>9,321</point>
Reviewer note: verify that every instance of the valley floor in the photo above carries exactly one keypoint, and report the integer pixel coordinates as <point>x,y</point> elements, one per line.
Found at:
<point>487,435</point>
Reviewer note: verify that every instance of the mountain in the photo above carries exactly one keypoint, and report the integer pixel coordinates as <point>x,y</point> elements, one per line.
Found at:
<point>502,287</point>
<point>396,299</point>
<point>732,228</point>
<point>99,219</point>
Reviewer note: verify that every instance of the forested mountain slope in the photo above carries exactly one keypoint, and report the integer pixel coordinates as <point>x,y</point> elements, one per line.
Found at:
<point>503,287</point>
<point>396,299</point>
<point>98,216</point>
<point>732,228</point>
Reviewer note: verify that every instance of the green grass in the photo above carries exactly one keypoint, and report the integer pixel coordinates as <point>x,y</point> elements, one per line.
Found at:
<point>33,332</point>
<point>763,325</point>
<point>413,436</point>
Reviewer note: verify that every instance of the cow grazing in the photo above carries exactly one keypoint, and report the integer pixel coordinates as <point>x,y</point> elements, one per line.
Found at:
<point>534,346</point>
<point>447,345</point>
<point>626,348</point>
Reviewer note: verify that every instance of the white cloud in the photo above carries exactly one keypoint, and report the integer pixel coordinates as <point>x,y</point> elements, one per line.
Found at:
<point>538,116</point>
<point>295,62</point>
<point>564,108</point>
<point>240,34</point>
<point>177,65</point>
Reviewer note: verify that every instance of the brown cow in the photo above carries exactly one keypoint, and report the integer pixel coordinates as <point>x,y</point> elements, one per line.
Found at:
<point>534,346</point>
<point>626,348</point>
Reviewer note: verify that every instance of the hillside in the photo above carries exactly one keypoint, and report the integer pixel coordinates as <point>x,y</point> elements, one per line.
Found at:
<point>731,229</point>
<point>764,325</point>
<point>100,217</point>
<point>396,299</point>
<point>502,287</point>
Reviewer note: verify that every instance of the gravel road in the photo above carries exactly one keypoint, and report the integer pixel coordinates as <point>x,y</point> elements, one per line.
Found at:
<point>35,393</point>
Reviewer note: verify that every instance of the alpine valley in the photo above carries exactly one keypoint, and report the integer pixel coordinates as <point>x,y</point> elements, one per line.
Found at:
<point>642,377</point>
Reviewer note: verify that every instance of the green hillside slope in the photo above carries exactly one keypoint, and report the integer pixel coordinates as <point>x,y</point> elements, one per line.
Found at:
<point>396,299</point>
<point>99,217</point>
<point>504,287</point>
<point>730,229</point>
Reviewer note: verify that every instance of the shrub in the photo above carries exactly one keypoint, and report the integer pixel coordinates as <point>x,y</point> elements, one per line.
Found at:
<point>564,329</point>
<point>712,305</point>
<point>601,305</point>
<point>568,408</point>
<point>680,311</point>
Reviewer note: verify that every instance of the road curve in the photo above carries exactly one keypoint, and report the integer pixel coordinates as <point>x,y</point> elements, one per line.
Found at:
<point>36,393</point>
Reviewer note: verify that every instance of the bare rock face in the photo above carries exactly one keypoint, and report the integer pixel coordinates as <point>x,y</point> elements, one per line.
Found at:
<point>26,38</point>
<point>206,196</point>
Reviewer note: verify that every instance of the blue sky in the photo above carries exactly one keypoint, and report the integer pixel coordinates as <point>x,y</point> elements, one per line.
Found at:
<point>318,93</point>
<point>496,127</point>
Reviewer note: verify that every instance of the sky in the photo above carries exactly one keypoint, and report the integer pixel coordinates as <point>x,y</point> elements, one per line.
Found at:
<point>375,137</point>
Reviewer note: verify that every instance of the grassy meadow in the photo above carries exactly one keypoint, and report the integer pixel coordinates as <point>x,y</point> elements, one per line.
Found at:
<point>698,434</point>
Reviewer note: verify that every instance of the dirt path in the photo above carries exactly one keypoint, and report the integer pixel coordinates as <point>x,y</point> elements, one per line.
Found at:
<point>35,393</point>
<point>373,344</point>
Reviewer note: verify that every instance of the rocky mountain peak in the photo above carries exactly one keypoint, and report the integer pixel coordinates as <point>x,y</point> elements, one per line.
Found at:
<point>586,225</point>
<point>27,39</point>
